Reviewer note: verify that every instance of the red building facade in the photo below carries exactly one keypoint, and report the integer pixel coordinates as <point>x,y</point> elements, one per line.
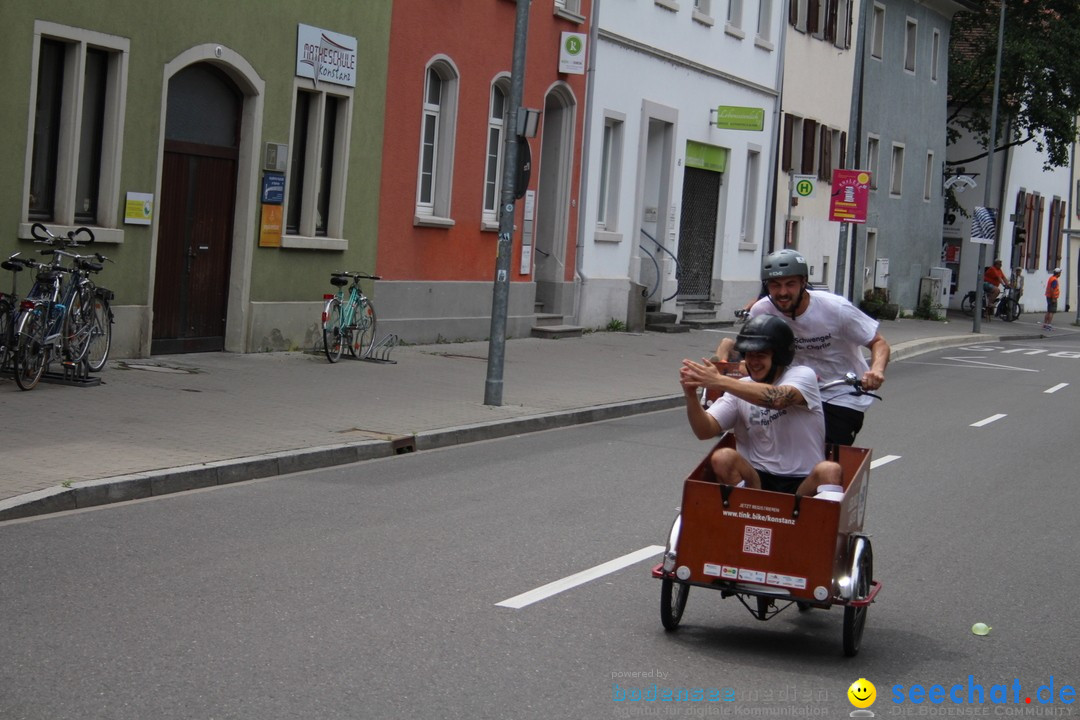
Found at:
<point>447,102</point>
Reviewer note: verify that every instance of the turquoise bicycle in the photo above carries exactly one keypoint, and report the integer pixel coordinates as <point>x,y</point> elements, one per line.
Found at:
<point>348,318</point>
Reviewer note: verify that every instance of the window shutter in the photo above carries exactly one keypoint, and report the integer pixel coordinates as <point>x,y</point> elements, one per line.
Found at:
<point>813,13</point>
<point>809,138</point>
<point>785,153</point>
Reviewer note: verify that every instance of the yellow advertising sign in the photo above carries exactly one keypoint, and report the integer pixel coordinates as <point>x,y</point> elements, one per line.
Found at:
<point>270,229</point>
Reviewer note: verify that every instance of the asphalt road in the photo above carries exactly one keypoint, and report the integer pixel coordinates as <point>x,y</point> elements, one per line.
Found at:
<point>374,590</point>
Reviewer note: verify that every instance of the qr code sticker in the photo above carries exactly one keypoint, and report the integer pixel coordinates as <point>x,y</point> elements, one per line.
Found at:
<point>756,540</point>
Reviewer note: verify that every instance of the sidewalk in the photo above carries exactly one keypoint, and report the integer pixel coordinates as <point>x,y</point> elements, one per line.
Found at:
<point>172,423</point>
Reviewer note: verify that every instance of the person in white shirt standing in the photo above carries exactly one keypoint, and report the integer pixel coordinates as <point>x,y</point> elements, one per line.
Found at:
<point>775,414</point>
<point>829,332</point>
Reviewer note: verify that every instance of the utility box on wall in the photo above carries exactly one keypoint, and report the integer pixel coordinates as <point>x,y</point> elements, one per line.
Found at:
<point>881,273</point>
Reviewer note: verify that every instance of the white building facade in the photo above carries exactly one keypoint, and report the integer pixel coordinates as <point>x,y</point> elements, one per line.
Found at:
<point>682,120</point>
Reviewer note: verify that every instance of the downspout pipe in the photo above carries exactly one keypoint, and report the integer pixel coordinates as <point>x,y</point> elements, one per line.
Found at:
<point>586,146</point>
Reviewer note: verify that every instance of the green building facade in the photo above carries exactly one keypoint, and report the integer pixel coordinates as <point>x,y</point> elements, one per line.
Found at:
<point>226,156</point>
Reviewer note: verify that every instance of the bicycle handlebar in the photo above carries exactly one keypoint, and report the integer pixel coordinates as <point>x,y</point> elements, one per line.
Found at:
<point>43,234</point>
<point>358,276</point>
<point>852,380</point>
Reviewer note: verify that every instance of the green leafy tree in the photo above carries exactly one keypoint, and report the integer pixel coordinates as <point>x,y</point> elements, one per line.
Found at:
<point>1040,76</point>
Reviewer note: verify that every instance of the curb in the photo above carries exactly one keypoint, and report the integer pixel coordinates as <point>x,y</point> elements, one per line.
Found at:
<point>154,483</point>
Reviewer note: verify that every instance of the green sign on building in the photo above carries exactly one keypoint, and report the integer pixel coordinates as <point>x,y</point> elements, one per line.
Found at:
<point>706,157</point>
<point>732,117</point>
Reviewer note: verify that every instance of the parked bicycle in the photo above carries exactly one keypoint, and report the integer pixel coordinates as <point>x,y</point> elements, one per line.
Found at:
<point>9,309</point>
<point>348,318</point>
<point>1008,308</point>
<point>61,319</point>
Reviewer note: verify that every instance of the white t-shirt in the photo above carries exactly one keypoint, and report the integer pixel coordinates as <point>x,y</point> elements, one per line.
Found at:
<point>787,442</point>
<point>829,338</point>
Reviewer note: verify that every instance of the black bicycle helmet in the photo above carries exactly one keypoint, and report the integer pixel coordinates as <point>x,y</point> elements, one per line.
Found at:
<point>784,263</point>
<point>768,332</point>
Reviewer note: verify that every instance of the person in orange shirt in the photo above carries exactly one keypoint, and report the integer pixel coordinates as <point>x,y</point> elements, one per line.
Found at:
<point>1053,292</point>
<point>993,278</point>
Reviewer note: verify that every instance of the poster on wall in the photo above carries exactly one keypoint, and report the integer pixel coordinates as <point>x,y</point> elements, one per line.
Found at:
<point>138,208</point>
<point>984,225</point>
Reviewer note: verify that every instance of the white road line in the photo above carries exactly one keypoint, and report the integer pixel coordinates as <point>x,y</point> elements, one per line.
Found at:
<point>883,460</point>
<point>1055,388</point>
<point>987,421</point>
<point>1034,352</point>
<point>976,362</point>
<point>553,588</point>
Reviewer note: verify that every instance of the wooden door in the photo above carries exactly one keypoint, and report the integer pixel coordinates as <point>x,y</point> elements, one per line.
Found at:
<point>194,248</point>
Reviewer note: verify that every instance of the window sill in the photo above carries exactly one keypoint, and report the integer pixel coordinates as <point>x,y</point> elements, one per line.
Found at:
<point>432,221</point>
<point>764,44</point>
<point>747,245</point>
<point>703,18</point>
<point>489,226</point>
<point>606,236</point>
<point>734,31</point>
<point>300,242</point>
<point>567,15</point>
<point>668,5</point>
<point>112,236</point>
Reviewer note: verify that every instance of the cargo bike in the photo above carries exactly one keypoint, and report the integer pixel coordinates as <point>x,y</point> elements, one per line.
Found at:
<point>772,550</point>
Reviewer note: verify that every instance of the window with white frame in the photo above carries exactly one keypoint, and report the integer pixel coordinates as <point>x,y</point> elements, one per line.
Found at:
<point>75,128</point>
<point>571,8</point>
<point>877,32</point>
<point>872,156</point>
<point>935,55</point>
<point>911,36</point>
<point>607,206</point>
<point>750,196</point>
<point>437,144</point>
<point>896,174</point>
<point>764,21</point>
<point>315,203</point>
<point>496,139</point>
<point>928,177</point>
<point>703,11</point>
<point>734,13</point>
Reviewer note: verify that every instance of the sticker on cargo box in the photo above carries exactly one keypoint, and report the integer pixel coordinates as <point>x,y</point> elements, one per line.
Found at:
<point>754,576</point>
<point>788,581</point>
<point>756,540</point>
<point>727,572</point>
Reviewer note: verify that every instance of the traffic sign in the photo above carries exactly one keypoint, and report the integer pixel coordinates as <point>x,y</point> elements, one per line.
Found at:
<point>803,186</point>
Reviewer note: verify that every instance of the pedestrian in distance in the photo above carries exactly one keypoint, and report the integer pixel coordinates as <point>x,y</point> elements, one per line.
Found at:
<point>1053,292</point>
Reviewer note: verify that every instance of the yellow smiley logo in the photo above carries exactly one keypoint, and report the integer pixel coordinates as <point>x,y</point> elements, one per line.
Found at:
<point>862,693</point>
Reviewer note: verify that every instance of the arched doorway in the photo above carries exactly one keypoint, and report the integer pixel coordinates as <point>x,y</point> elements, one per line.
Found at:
<point>198,195</point>
<point>553,201</point>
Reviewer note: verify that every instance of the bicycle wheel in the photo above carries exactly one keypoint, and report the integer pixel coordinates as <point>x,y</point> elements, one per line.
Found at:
<point>100,333</point>
<point>5,333</point>
<point>30,351</point>
<point>968,303</point>
<point>77,326</point>
<point>364,336</point>
<point>1009,310</point>
<point>332,332</point>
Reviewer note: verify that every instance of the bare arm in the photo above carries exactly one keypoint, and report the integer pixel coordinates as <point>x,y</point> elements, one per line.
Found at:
<point>702,423</point>
<point>763,394</point>
<point>880,351</point>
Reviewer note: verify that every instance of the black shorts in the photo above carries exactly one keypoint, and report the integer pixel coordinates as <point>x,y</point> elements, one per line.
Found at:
<point>842,424</point>
<point>779,483</point>
<point>1051,305</point>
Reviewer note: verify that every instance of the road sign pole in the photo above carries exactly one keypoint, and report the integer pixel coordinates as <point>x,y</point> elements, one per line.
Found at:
<point>500,300</point>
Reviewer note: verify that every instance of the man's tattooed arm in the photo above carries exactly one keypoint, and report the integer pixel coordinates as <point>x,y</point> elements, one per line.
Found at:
<point>780,397</point>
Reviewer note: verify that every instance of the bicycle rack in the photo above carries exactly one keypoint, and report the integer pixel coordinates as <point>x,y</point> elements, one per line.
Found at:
<point>380,351</point>
<point>74,374</point>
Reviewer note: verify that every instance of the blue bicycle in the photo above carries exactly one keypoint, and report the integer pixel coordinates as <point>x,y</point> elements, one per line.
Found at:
<point>348,318</point>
